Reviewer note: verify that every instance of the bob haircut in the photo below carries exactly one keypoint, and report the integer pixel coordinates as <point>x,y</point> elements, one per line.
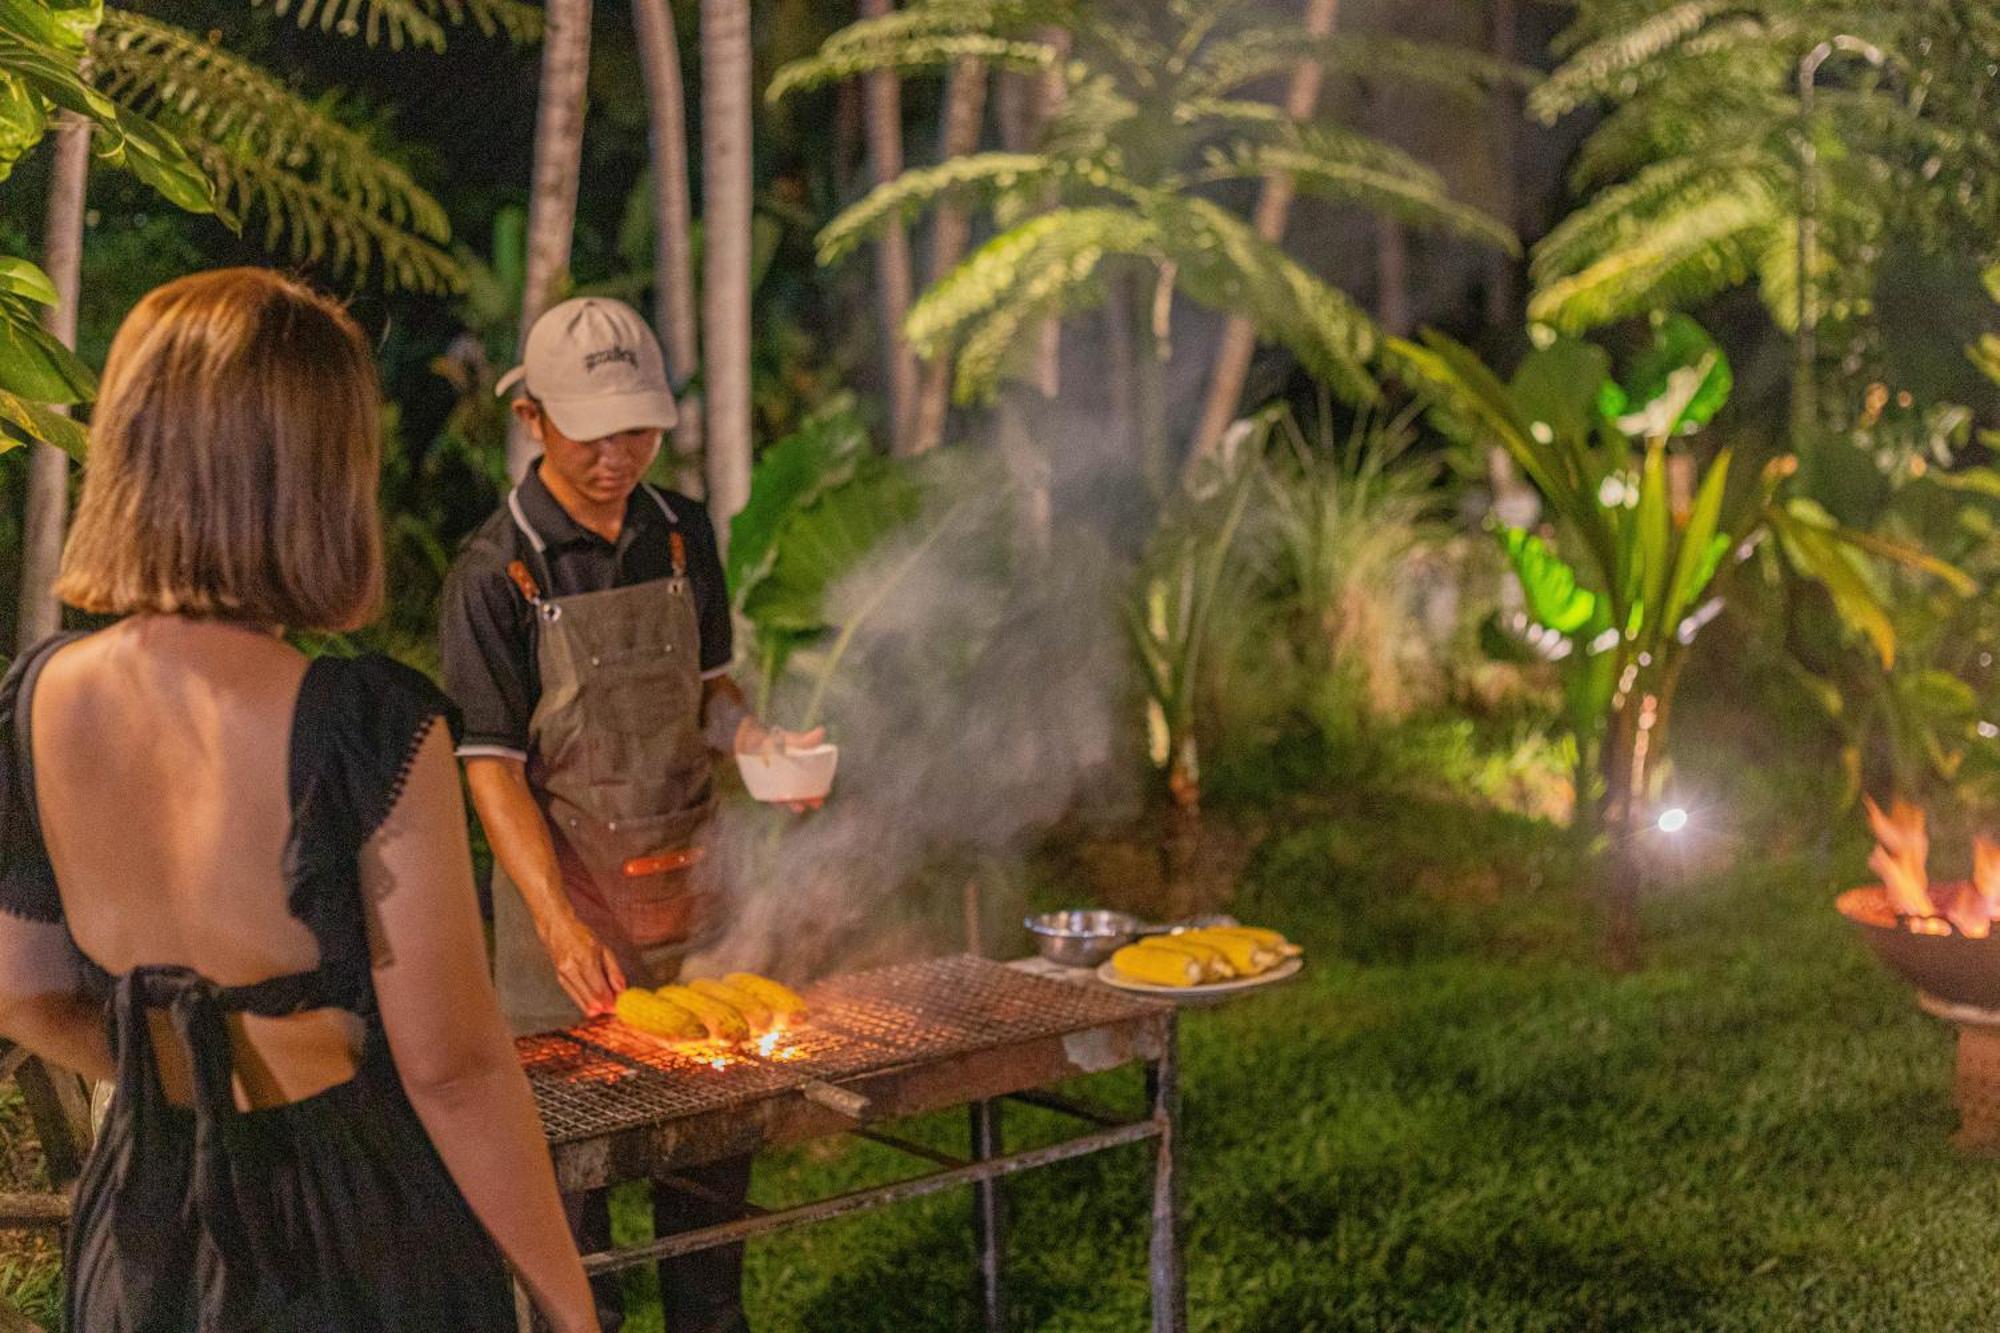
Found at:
<point>234,452</point>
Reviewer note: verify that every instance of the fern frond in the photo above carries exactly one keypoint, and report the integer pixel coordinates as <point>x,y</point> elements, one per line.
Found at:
<point>1700,245</point>
<point>244,125</point>
<point>1720,115</point>
<point>983,177</point>
<point>1226,266</point>
<point>1263,53</point>
<point>1353,169</point>
<point>1617,216</point>
<point>1593,71</point>
<point>414,22</point>
<point>314,223</point>
<point>906,54</point>
<point>1019,269</point>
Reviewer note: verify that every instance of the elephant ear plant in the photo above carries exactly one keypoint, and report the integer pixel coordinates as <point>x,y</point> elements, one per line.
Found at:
<point>1634,561</point>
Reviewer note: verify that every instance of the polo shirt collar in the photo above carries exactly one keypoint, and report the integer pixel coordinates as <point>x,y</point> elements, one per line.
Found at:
<point>546,514</point>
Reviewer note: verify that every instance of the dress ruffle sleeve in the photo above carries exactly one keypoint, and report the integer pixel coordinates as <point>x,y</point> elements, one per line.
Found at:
<point>27,881</point>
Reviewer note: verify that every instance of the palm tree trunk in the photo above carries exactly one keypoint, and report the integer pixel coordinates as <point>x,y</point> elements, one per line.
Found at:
<point>1502,310</point>
<point>1392,278</point>
<point>726,170</point>
<point>1050,92</point>
<point>883,90</point>
<point>48,466</point>
<point>673,249</point>
<point>1274,210</point>
<point>964,115</point>
<point>558,166</point>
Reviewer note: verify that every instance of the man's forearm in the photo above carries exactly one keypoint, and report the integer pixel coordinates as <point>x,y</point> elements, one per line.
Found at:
<point>723,712</point>
<point>519,835</point>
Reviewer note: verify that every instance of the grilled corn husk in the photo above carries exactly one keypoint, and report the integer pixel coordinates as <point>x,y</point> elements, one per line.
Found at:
<point>1214,963</point>
<point>640,1008</point>
<point>780,999</point>
<point>721,1020</point>
<point>1246,956</point>
<point>1157,967</point>
<point>755,1012</point>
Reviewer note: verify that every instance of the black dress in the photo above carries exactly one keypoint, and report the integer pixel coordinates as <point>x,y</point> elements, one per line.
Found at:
<point>333,1214</point>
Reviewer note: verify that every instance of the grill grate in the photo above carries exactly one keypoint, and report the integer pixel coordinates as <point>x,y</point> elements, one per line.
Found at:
<point>601,1077</point>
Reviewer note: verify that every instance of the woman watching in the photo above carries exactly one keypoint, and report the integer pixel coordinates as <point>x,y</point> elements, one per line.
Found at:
<point>237,882</point>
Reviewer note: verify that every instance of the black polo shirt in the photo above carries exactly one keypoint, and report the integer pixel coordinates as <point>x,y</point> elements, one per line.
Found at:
<point>487,630</point>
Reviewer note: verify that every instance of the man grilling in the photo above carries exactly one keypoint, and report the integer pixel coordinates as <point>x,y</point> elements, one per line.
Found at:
<point>586,637</point>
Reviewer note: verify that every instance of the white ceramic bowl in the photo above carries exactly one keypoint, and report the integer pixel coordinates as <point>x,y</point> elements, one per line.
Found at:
<point>790,775</point>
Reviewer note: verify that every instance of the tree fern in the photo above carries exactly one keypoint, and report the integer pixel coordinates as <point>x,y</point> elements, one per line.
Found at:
<point>1261,54</point>
<point>325,190</point>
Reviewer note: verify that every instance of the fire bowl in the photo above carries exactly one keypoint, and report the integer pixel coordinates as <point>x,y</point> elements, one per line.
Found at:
<point>1927,951</point>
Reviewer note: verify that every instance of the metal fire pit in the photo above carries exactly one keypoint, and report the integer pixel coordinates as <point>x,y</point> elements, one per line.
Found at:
<point>1957,979</point>
<point>874,1046</point>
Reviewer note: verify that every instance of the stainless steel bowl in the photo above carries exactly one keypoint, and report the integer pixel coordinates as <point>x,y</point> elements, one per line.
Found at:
<point>1081,938</point>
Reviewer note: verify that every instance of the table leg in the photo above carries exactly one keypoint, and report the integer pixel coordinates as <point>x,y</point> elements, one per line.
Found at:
<point>1169,1279</point>
<point>988,1220</point>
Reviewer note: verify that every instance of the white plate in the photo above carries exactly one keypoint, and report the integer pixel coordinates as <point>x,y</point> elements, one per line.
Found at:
<point>1284,971</point>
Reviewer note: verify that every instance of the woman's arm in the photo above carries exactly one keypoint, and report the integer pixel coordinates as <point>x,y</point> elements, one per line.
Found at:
<point>451,1046</point>
<point>47,1000</point>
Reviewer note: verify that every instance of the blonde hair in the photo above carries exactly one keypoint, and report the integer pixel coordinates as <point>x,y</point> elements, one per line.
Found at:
<point>234,453</point>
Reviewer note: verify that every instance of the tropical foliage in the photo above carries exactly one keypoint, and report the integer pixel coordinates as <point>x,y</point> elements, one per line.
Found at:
<point>41,50</point>
<point>1157,109</point>
<point>1694,173</point>
<point>1634,571</point>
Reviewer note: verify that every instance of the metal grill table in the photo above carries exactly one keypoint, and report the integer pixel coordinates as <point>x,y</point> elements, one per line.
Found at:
<point>874,1046</point>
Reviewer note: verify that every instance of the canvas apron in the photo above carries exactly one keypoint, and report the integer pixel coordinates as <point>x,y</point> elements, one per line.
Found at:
<point>619,767</point>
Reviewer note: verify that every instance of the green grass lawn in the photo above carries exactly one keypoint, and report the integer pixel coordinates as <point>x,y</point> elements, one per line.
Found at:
<point>1455,1120</point>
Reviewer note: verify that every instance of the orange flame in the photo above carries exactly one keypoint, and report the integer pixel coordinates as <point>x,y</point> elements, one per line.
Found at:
<point>1902,851</point>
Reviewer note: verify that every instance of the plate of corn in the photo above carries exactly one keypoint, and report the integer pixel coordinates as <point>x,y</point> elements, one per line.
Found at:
<point>1211,960</point>
<point>734,1008</point>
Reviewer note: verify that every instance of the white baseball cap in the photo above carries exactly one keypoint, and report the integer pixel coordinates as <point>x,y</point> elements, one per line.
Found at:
<point>596,369</point>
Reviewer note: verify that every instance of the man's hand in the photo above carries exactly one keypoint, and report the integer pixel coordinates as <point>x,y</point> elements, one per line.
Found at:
<point>588,971</point>
<point>753,737</point>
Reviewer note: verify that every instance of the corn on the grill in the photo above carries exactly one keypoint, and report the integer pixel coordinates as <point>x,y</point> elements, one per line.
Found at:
<point>1157,967</point>
<point>658,1017</point>
<point>1245,955</point>
<point>1214,965</point>
<point>721,1020</point>
<point>782,1000</point>
<point>755,1012</point>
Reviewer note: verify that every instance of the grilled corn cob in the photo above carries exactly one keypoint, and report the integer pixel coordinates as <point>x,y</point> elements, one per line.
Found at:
<point>657,1017</point>
<point>1214,965</point>
<point>1157,967</point>
<point>1245,955</point>
<point>781,1000</point>
<point>755,1012</point>
<point>722,1020</point>
<point>1270,939</point>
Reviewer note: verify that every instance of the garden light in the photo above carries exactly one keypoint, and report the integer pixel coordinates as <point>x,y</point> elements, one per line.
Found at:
<point>1673,820</point>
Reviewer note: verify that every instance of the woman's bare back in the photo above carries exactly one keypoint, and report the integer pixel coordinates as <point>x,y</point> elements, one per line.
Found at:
<point>162,752</point>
